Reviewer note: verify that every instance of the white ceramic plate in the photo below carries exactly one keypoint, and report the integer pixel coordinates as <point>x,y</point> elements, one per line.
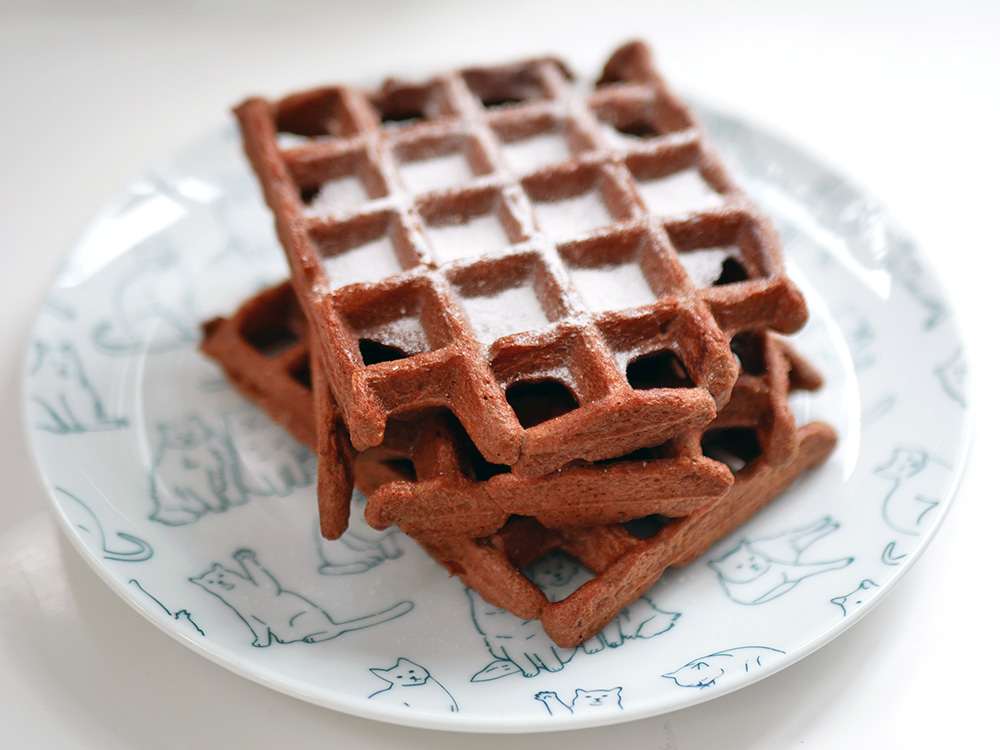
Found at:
<point>125,417</point>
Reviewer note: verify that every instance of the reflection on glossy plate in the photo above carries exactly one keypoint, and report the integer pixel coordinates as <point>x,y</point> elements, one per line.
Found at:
<point>200,513</point>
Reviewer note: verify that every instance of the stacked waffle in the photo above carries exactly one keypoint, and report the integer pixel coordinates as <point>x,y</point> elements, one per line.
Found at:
<point>523,317</point>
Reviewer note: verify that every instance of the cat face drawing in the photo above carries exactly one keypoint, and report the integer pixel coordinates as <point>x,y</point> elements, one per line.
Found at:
<point>597,699</point>
<point>216,579</point>
<point>184,434</point>
<point>904,463</point>
<point>741,565</point>
<point>404,672</point>
<point>411,686</point>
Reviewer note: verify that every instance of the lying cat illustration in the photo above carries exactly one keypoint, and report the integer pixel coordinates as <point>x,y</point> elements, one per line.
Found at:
<point>360,548</point>
<point>918,486</point>
<point>65,398</point>
<point>272,463</point>
<point>194,473</point>
<point>849,603</point>
<point>86,522</point>
<point>152,305</point>
<point>757,571</point>
<point>584,701</point>
<point>412,686</point>
<point>275,614</point>
<point>709,670</point>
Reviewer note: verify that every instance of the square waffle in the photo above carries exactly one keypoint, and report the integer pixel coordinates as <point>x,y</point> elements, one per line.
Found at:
<point>562,268</point>
<point>488,532</point>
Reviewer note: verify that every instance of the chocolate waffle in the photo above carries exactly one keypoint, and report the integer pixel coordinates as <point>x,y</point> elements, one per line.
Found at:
<point>561,269</point>
<point>754,436</point>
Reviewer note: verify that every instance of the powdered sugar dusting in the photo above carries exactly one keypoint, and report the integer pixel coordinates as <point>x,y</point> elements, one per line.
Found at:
<point>365,263</point>
<point>435,173</point>
<point>607,288</point>
<point>537,151</point>
<point>476,236</point>
<point>511,310</point>
<point>704,266</point>
<point>571,217</point>
<point>678,193</point>
<point>341,194</point>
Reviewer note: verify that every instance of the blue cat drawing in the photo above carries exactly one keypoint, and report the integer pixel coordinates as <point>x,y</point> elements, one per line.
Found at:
<point>273,613</point>
<point>853,601</point>
<point>124,548</point>
<point>360,548</point>
<point>587,702</point>
<point>412,686</point>
<point>723,665</point>
<point>760,570</point>
<point>65,399</point>
<point>918,486</point>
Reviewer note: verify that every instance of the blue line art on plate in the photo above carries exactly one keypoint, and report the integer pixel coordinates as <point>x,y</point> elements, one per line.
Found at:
<point>713,668</point>
<point>85,521</point>
<point>359,548</point>
<point>951,374</point>
<point>271,462</point>
<point>890,556</point>
<point>875,411</point>
<point>760,570</point>
<point>275,614</point>
<point>919,482</point>
<point>584,701</point>
<point>152,305</point>
<point>522,647</point>
<point>195,471</point>
<point>412,686</point>
<point>180,614</point>
<point>68,402</point>
<point>852,601</point>
<point>915,280</point>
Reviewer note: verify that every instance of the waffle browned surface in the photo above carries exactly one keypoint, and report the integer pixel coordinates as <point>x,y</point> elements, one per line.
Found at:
<point>578,306</point>
<point>488,527</point>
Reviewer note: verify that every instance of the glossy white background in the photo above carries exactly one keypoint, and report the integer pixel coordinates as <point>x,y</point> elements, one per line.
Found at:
<point>900,96</point>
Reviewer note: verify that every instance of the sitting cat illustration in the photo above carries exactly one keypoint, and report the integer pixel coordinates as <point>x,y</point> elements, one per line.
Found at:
<point>918,486</point>
<point>849,603</point>
<point>584,701</point>
<point>152,305</point>
<point>194,473</point>
<point>272,463</point>
<point>65,398</point>
<point>360,548</point>
<point>757,571</point>
<point>275,614</point>
<point>89,526</point>
<point>412,686</point>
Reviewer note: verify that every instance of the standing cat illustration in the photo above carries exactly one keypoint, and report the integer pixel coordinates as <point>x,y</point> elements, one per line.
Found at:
<point>273,463</point>
<point>152,306</point>
<point>919,483</point>
<point>760,570</point>
<point>708,670</point>
<point>275,614</point>
<point>65,397</point>
<point>412,686</point>
<point>194,473</point>
<point>584,701</point>
<point>360,548</point>
<point>86,522</point>
<point>852,601</point>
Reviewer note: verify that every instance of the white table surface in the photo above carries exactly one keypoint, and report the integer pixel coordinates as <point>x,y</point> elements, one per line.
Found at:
<point>903,97</point>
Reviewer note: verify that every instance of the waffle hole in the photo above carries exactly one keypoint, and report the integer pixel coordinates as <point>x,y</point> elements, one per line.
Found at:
<point>637,129</point>
<point>557,574</point>
<point>731,273</point>
<point>662,369</point>
<point>373,352</point>
<point>644,528</point>
<point>734,446</point>
<point>302,374</point>
<point>403,467</point>
<point>538,401</point>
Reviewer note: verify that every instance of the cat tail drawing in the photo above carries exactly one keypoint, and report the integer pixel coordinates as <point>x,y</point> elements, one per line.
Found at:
<point>360,623</point>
